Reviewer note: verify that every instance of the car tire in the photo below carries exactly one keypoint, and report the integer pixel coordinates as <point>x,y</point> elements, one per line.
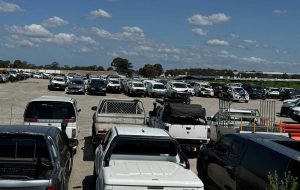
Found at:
<point>246,101</point>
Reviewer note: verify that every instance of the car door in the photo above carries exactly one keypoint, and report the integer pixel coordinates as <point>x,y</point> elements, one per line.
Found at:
<point>64,151</point>
<point>219,162</point>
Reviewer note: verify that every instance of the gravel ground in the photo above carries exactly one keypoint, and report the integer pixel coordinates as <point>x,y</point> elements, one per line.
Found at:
<point>14,97</point>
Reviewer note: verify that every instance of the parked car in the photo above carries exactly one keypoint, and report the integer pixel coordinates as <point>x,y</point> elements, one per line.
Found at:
<point>191,90</point>
<point>113,85</point>
<point>54,111</point>
<point>142,158</point>
<point>237,94</point>
<point>295,114</point>
<point>96,86</point>
<point>57,83</point>
<point>76,86</point>
<point>136,88</point>
<point>254,91</point>
<point>116,112</point>
<point>244,161</point>
<point>35,158</point>
<point>203,89</point>
<point>174,88</point>
<point>185,122</point>
<point>156,89</point>
<point>273,93</point>
<point>287,107</point>
<point>287,93</point>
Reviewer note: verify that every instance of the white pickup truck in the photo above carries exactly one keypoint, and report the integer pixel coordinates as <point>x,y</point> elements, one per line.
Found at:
<point>185,122</point>
<point>116,112</point>
<point>142,158</point>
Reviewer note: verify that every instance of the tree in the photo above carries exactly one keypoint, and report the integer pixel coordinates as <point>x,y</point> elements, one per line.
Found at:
<point>53,65</point>
<point>122,66</point>
<point>148,71</point>
<point>4,64</point>
<point>110,69</point>
<point>158,69</point>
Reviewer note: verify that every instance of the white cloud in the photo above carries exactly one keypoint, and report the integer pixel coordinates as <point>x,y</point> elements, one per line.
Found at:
<point>54,22</point>
<point>280,11</point>
<point>26,43</point>
<point>129,53</point>
<point>253,60</point>
<point>99,14</point>
<point>144,48</point>
<point>133,29</point>
<point>213,19</point>
<point>250,41</point>
<point>9,7</point>
<point>33,30</point>
<point>169,50</point>
<point>217,42</point>
<point>199,31</point>
<point>84,50</point>
<point>88,40</point>
<point>100,32</point>
<point>63,39</point>
<point>234,36</point>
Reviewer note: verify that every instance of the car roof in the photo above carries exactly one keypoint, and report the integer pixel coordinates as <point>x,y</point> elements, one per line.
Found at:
<point>27,129</point>
<point>53,98</point>
<point>241,110</point>
<point>141,131</point>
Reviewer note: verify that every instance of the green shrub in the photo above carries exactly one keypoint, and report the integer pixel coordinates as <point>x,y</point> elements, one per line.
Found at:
<point>288,183</point>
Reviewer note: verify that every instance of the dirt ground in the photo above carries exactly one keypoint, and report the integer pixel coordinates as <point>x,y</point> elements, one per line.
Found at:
<point>14,97</point>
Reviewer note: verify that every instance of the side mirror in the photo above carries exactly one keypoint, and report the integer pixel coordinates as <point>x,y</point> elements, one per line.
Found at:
<point>209,118</point>
<point>94,108</point>
<point>97,140</point>
<point>73,143</point>
<point>79,110</point>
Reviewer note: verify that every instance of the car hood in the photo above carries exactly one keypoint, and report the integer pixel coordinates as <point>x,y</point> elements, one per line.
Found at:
<point>75,86</point>
<point>149,173</point>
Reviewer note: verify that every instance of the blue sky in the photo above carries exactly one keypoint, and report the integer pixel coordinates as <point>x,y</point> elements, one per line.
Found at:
<point>232,34</point>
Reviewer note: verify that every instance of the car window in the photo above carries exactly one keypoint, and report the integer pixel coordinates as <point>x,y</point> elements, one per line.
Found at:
<point>50,110</point>
<point>261,160</point>
<point>23,146</point>
<point>62,143</point>
<point>224,144</point>
<point>144,147</point>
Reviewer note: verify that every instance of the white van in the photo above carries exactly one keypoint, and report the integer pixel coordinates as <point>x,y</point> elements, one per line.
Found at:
<point>55,111</point>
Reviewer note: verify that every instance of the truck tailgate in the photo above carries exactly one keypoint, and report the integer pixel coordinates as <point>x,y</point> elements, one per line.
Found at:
<point>188,131</point>
<point>121,119</point>
<point>24,184</point>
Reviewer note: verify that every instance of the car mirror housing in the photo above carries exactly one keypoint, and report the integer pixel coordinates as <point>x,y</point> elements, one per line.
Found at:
<point>94,108</point>
<point>73,143</point>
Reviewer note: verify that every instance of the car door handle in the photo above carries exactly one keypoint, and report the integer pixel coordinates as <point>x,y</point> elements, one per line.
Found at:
<point>188,128</point>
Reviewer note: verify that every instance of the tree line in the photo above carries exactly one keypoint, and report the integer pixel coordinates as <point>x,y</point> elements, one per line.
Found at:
<point>125,67</point>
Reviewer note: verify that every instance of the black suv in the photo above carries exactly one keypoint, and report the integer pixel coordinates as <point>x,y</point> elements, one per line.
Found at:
<point>255,92</point>
<point>243,161</point>
<point>97,86</point>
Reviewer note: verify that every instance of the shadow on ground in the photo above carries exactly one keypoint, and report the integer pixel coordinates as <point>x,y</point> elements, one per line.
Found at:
<point>88,149</point>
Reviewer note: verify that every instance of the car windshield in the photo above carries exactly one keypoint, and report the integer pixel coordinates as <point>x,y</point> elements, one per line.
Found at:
<point>137,84</point>
<point>59,79</point>
<point>97,82</point>
<point>205,86</point>
<point>179,85</point>
<point>114,82</point>
<point>274,89</point>
<point>145,146</point>
<point>50,110</point>
<point>159,86</point>
<point>76,82</point>
<point>239,89</point>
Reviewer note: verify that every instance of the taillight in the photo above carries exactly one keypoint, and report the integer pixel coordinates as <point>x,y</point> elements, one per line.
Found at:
<point>208,133</point>
<point>69,120</point>
<point>51,188</point>
<point>102,131</point>
<point>73,133</point>
<point>30,120</point>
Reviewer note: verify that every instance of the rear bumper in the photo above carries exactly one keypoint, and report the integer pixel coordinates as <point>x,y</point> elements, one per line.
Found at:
<point>191,143</point>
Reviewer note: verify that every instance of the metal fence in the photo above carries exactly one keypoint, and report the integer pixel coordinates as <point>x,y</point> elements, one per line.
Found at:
<point>267,112</point>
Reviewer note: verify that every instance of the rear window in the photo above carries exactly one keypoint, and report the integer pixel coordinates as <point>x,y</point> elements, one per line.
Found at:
<point>23,146</point>
<point>159,86</point>
<point>77,82</point>
<point>50,110</point>
<point>148,147</point>
<point>267,161</point>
